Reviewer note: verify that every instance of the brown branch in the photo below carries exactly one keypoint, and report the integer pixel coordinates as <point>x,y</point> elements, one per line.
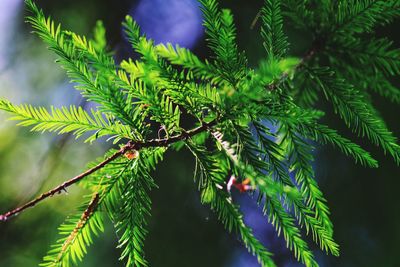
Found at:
<point>80,224</point>
<point>131,145</point>
<point>63,186</point>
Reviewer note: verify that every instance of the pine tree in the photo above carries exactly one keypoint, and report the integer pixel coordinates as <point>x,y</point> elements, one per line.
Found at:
<point>230,103</point>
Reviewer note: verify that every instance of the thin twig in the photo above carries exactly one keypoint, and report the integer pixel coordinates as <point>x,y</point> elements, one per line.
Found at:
<point>56,149</point>
<point>254,22</point>
<point>63,186</point>
<point>80,224</point>
<point>131,145</point>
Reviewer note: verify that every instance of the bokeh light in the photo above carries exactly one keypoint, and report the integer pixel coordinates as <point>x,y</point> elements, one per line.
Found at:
<point>172,21</point>
<point>8,12</point>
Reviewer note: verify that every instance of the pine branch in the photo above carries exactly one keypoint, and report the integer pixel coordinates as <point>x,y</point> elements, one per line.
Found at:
<point>132,145</point>
<point>110,185</point>
<point>77,236</point>
<point>274,154</point>
<point>284,222</point>
<point>300,159</point>
<point>77,69</point>
<point>305,217</point>
<point>356,112</point>
<point>368,80</point>
<point>132,30</point>
<point>130,217</point>
<point>277,214</point>
<point>220,29</point>
<point>275,41</point>
<point>273,207</point>
<point>159,85</point>
<point>184,57</point>
<point>68,120</point>
<point>211,182</point>
<point>167,83</point>
<point>62,187</point>
<point>123,188</point>
<point>290,195</point>
<point>377,54</point>
<point>357,16</point>
<point>323,134</point>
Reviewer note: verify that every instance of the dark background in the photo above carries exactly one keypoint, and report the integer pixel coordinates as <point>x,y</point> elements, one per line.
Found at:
<point>363,202</point>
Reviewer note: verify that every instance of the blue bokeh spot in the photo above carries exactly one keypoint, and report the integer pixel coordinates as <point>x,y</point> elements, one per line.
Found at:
<point>172,21</point>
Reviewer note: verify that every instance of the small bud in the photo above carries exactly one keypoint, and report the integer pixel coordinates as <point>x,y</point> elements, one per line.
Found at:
<point>132,154</point>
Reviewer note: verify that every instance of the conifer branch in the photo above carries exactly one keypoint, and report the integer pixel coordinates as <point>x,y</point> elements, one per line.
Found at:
<point>68,120</point>
<point>275,41</point>
<point>131,145</point>
<point>62,187</point>
<point>168,82</point>
<point>76,234</point>
<point>80,224</point>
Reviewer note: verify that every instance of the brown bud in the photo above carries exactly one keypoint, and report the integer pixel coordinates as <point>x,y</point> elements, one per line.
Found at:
<point>132,154</point>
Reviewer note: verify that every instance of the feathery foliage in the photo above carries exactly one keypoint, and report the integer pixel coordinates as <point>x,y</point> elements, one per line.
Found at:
<point>77,234</point>
<point>130,217</point>
<point>65,120</point>
<point>229,105</point>
<point>272,30</point>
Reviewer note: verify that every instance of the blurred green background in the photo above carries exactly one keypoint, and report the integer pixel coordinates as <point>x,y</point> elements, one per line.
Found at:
<point>363,202</point>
